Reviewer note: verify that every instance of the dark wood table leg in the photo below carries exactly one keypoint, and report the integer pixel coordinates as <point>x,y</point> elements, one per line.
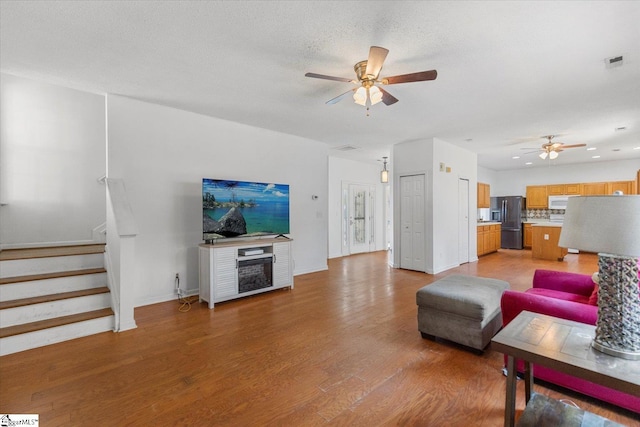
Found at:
<point>528,381</point>
<point>510,401</point>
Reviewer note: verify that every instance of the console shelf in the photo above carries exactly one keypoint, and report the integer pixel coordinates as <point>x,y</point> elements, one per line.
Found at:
<point>226,274</point>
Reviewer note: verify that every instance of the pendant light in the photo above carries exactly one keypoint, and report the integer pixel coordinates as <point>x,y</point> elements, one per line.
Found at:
<point>384,174</point>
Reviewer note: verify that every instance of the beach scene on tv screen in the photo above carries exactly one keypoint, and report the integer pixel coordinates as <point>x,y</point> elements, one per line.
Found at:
<point>241,209</point>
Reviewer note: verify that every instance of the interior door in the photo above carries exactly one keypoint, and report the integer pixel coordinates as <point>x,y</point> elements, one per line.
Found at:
<point>412,222</point>
<point>463,221</point>
<point>360,218</point>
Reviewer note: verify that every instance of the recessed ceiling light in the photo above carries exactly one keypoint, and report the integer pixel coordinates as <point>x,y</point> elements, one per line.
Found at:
<point>636,148</point>
<point>529,163</point>
<point>515,157</point>
<point>595,157</point>
<point>591,148</point>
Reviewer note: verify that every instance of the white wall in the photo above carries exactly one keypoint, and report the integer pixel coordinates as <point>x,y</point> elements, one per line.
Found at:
<point>441,198</point>
<point>514,183</point>
<point>162,154</point>
<point>52,152</point>
<point>352,172</point>
<point>463,164</point>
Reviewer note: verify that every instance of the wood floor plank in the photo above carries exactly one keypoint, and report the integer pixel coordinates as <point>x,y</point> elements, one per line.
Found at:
<point>342,348</point>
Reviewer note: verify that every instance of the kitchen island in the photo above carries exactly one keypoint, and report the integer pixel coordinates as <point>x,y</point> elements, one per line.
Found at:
<point>544,242</point>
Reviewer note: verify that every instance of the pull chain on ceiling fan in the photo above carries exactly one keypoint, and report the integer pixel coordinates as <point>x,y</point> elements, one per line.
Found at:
<point>367,73</point>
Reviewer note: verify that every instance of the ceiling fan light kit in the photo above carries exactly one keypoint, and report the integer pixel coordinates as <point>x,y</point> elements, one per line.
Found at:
<point>367,73</point>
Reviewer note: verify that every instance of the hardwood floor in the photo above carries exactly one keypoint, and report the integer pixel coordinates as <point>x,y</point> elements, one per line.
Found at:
<point>341,349</point>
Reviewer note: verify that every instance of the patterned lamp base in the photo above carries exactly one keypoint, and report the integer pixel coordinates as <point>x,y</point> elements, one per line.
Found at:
<point>618,327</point>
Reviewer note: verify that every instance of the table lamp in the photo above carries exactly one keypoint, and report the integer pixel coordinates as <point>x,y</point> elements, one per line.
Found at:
<point>610,226</point>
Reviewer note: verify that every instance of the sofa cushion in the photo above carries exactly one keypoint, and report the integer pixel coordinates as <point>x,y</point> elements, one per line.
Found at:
<point>552,293</point>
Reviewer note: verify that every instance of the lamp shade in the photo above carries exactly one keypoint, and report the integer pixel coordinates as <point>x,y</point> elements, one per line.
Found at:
<point>606,224</point>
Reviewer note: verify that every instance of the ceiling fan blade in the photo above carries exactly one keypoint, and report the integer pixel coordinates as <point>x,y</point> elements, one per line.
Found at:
<point>377,55</point>
<point>573,146</point>
<point>412,77</point>
<point>322,76</point>
<point>387,98</point>
<point>340,97</point>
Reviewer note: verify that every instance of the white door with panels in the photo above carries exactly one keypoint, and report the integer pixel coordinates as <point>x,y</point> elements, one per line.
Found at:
<point>412,223</point>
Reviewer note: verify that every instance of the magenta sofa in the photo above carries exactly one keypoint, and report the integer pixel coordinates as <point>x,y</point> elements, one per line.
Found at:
<point>569,296</point>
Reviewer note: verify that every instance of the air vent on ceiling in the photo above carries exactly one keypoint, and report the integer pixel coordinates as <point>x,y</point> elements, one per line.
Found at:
<point>346,148</point>
<point>615,61</point>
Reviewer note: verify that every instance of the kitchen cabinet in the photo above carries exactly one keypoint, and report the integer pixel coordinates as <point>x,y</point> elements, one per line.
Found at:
<point>544,244</point>
<point>488,238</point>
<point>484,198</point>
<point>564,189</point>
<point>537,197</point>
<point>528,237</point>
<point>627,187</point>
<point>594,188</point>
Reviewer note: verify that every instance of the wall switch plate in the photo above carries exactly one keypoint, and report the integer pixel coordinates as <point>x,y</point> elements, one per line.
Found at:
<point>546,237</point>
<point>442,167</point>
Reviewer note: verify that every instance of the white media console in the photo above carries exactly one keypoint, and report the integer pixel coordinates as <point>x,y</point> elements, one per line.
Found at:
<point>235,269</point>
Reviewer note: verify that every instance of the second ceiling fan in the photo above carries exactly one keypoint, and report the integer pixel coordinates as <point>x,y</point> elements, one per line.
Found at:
<point>552,149</point>
<point>367,73</point>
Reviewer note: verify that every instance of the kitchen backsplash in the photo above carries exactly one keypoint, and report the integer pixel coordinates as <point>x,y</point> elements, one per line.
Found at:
<point>543,213</point>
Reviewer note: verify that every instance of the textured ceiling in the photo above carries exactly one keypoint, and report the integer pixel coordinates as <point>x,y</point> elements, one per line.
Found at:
<point>508,72</point>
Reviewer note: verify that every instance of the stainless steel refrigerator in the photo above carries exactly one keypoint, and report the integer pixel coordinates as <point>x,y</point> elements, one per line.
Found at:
<point>509,211</point>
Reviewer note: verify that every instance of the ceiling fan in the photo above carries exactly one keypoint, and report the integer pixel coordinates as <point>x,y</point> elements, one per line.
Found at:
<point>367,73</point>
<point>553,149</point>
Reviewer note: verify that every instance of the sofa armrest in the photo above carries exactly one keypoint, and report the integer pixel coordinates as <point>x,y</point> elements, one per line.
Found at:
<point>574,283</point>
<point>512,303</point>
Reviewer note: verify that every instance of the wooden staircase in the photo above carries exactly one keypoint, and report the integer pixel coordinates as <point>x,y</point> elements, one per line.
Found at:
<point>52,294</point>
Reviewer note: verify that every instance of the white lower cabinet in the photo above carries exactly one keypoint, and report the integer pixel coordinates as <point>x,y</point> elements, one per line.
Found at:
<point>232,270</point>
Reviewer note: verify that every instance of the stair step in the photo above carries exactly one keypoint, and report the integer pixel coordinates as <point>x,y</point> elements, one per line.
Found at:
<point>50,251</point>
<point>54,297</point>
<point>52,323</point>
<point>54,275</point>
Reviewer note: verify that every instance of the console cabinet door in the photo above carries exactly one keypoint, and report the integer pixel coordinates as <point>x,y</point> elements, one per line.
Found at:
<point>225,283</point>
<point>282,271</point>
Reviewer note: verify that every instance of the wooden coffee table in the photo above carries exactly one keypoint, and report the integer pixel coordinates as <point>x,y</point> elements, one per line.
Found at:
<point>562,345</point>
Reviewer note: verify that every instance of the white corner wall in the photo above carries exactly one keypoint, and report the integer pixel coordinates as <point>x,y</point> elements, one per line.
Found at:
<point>52,153</point>
<point>352,172</point>
<point>162,154</point>
<point>441,198</point>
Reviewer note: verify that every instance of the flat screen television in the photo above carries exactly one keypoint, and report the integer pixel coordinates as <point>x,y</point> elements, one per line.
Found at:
<point>243,209</point>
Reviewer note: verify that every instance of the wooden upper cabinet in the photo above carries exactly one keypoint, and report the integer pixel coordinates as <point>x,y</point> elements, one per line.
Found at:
<point>573,189</point>
<point>484,198</point>
<point>555,190</point>
<point>594,188</point>
<point>564,189</point>
<point>537,197</point>
<point>627,187</point>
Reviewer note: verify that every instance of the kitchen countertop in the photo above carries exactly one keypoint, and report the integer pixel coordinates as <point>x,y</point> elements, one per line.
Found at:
<point>546,224</point>
<point>489,223</point>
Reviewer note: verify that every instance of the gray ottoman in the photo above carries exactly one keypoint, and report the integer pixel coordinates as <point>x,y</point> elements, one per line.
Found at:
<point>462,309</point>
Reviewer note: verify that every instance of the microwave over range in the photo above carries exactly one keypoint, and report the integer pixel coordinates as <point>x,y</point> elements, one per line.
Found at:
<point>558,202</point>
